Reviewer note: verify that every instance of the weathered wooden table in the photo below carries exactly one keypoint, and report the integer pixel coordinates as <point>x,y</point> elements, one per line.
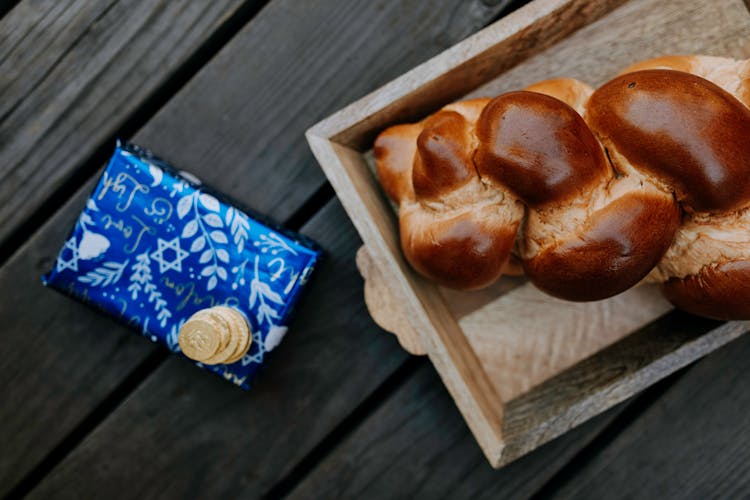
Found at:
<point>225,89</point>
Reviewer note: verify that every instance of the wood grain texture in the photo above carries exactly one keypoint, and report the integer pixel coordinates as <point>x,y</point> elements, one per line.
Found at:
<point>638,30</point>
<point>691,443</point>
<point>611,376</point>
<point>416,446</point>
<point>440,335</point>
<point>293,64</point>
<point>521,355</point>
<point>521,348</point>
<point>518,347</point>
<point>194,435</point>
<point>384,307</point>
<point>237,124</point>
<point>461,69</point>
<point>60,359</point>
<point>71,73</point>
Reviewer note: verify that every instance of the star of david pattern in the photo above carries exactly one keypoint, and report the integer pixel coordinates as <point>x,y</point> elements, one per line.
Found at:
<point>68,262</point>
<point>163,248</point>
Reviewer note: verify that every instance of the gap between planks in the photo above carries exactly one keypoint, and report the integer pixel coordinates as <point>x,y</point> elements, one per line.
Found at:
<point>346,427</point>
<point>92,420</point>
<point>640,404</point>
<point>133,122</point>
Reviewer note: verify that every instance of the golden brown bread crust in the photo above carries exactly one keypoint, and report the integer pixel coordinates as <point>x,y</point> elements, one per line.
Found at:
<point>696,269</point>
<point>394,150</point>
<point>525,167</point>
<point>455,229</point>
<point>615,249</point>
<point>444,161</point>
<point>538,147</point>
<point>718,291</point>
<point>467,251</point>
<point>680,128</point>
<point>705,271</point>
<point>543,151</point>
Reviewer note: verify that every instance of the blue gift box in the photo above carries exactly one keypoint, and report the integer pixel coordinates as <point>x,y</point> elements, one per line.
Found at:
<point>153,246</point>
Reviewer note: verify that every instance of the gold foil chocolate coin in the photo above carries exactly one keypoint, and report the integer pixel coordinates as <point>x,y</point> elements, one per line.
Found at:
<point>244,337</point>
<point>232,339</point>
<point>216,335</point>
<point>199,339</point>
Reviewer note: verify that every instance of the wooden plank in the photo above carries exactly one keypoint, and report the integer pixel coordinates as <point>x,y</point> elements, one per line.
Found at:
<point>72,72</point>
<point>237,124</point>
<point>6,5</point>
<point>194,435</point>
<point>59,360</point>
<point>461,69</point>
<point>293,64</point>
<point>611,376</point>
<point>637,31</point>
<point>694,442</point>
<point>416,446</point>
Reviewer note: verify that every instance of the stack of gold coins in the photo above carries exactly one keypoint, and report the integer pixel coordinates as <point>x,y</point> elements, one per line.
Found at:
<point>216,335</point>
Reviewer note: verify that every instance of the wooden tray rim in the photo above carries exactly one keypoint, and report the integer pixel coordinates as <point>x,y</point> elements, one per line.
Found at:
<point>504,431</point>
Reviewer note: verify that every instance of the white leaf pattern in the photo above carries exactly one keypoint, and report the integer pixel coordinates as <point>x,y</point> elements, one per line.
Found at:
<point>222,273</point>
<point>223,255</point>
<point>198,244</point>
<point>209,202</point>
<point>156,173</point>
<point>266,312</point>
<point>183,206</point>
<point>219,237</point>
<point>273,244</point>
<point>190,229</point>
<point>261,292</point>
<point>207,227</point>
<point>266,291</point>
<point>213,220</point>
<point>239,227</point>
<point>141,280</point>
<point>205,256</point>
<point>107,274</point>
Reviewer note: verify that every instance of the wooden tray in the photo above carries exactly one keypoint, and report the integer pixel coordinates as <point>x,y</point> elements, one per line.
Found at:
<point>523,367</point>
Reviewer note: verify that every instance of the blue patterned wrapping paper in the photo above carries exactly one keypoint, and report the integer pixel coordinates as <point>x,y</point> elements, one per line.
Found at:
<point>153,246</point>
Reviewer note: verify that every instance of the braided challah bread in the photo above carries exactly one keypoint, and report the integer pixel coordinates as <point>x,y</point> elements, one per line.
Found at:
<point>647,176</point>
